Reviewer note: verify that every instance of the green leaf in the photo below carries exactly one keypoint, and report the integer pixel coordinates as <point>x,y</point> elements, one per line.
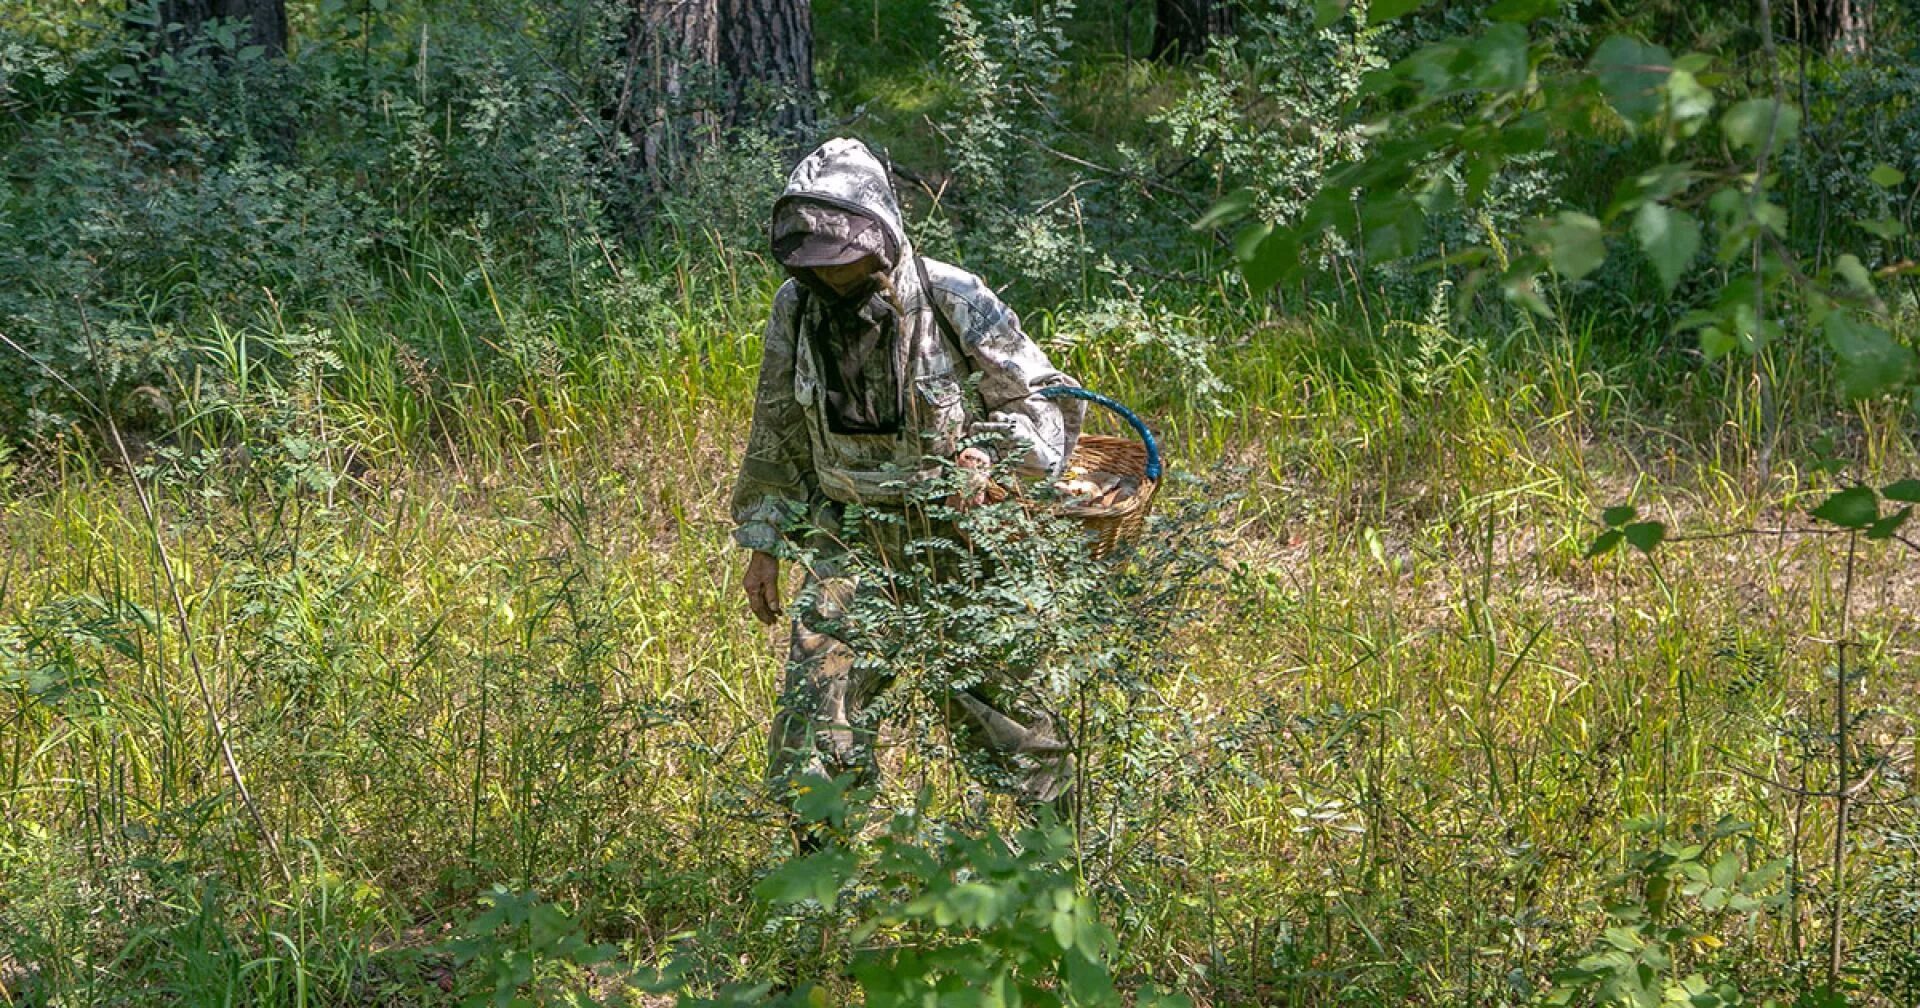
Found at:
<point>1670,238</point>
<point>1089,936</point>
<point>1657,186</point>
<point>817,799</point>
<point>1618,515</point>
<point>1644,536</point>
<point>1154,996</point>
<point>1498,59</point>
<point>1886,176</point>
<point>1327,13</point>
<point>1726,869</point>
<point>1522,290</point>
<point>1062,924</point>
<point>1883,227</point>
<point>1522,10</point>
<point>1575,244</point>
<point>1854,272</point>
<point>1688,102</point>
<point>1716,342</point>
<point>1748,123</point>
<point>1232,206</point>
<point>1906,491</point>
<point>1605,542</point>
<point>1870,362</point>
<point>1631,74</point>
<point>972,904</point>
<point>817,877</point>
<point>1246,243</point>
<point>1392,227</point>
<point>1276,257</point>
<point>1854,508</point>
<point>1886,527</point>
<point>1382,11</point>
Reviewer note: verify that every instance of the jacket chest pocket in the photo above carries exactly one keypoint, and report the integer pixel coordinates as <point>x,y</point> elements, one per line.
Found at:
<point>941,404</point>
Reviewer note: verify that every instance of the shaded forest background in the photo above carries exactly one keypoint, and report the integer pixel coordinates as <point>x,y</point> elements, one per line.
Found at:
<point>1529,619</point>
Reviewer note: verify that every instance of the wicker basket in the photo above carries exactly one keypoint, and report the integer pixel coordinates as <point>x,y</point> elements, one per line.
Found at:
<point>1107,526</point>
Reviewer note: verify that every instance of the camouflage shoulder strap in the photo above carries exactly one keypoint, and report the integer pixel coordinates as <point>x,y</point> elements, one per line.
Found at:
<point>956,343</point>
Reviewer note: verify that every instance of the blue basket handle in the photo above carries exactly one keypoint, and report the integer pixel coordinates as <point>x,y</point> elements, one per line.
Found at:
<point>1140,428</point>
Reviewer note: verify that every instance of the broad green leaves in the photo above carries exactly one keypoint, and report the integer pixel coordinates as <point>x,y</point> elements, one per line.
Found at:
<point>1382,11</point>
<point>1522,11</point>
<point>1672,897</point>
<point>1670,238</point>
<point>1857,508</point>
<point>1849,268</point>
<point>1906,491</point>
<point>816,878</point>
<point>1869,361</point>
<point>1644,536</point>
<point>1759,122</point>
<point>1575,244</point>
<point>1632,74</point>
<point>1854,508</point>
<point>1621,527</point>
<point>1462,109</point>
<point>937,915</point>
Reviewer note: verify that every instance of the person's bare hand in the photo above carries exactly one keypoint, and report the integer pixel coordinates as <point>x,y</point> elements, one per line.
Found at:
<point>762,585</point>
<point>976,463</point>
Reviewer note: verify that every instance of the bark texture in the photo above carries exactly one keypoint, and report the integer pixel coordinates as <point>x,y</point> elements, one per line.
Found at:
<point>692,68</point>
<point>664,101</point>
<point>1182,28</point>
<point>766,52</point>
<point>1841,27</point>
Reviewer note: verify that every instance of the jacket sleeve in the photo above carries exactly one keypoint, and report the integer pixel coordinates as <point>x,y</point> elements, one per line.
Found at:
<point>1013,369</point>
<point>776,476</point>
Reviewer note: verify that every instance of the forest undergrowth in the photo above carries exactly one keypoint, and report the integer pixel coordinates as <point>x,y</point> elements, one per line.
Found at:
<point>1527,617</point>
<point>457,635</point>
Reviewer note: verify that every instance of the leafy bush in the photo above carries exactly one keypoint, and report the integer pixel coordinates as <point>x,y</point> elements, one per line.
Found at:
<point>1011,220</point>
<point>1274,108</point>
<point>945,915</point>
<point>1862,116</point>
<point>152,191</point>
<point>1679,914</point>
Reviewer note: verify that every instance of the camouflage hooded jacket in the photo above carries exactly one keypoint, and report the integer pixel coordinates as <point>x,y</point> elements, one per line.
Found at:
<point>792,459</point>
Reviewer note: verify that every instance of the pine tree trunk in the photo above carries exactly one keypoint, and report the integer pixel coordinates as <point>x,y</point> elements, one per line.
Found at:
<point>666,102</point>
<point>766,51</point>
<point>692,68</point>
<point>1182,28</point>
<point>1842,27</point>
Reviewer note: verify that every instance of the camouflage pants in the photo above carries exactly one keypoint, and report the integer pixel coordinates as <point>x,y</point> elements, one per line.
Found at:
<point>825,722</point>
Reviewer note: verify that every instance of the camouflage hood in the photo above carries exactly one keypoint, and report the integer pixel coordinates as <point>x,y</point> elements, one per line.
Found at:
<point>844,174</point>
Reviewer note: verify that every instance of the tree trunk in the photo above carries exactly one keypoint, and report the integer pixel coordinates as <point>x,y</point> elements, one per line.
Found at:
<point>665,102</point>
<point>766,52</point>
<point>1842,27</point>
<point>1182,28</point>
<point>692,68</point>
<point>183,21</point>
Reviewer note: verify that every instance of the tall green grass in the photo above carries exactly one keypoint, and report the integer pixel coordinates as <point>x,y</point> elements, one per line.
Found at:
<point>456,568</point>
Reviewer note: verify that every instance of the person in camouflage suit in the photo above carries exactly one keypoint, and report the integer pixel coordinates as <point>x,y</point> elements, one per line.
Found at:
<point>863,389</point>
